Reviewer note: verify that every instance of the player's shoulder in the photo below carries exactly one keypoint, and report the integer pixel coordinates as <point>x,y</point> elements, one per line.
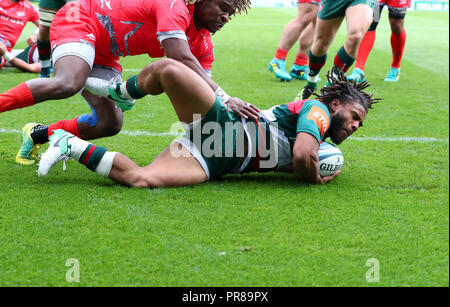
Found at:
<point>28,6</point>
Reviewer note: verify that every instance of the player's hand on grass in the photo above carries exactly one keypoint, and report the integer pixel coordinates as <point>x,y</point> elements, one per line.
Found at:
<point>243,109</point>
<point>327,179</point>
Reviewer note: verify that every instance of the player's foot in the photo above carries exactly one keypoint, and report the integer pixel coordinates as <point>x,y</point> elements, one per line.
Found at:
<point>58,150</point>
<point>358,75</point>
<point>108,89</point>
<point>307,91</point>
<point>299,72</point>
<point>28,151</point>
<point>116,95</point>
<point>393,75</point>
<point>278,67</point>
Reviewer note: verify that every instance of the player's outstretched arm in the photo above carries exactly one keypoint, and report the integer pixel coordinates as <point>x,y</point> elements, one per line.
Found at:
<point>25,67</point>
<point>306,159</point>
<point>18,63</point>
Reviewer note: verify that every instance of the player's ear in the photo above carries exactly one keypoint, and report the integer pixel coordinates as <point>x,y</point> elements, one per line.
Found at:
<point>335,103</point>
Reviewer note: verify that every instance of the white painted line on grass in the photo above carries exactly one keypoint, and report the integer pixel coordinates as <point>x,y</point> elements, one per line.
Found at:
<point>399,139</point>
<point>363,138</point>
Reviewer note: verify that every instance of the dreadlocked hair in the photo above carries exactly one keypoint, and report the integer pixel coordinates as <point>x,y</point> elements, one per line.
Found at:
<point>241,5</point>
<point>345,90</point>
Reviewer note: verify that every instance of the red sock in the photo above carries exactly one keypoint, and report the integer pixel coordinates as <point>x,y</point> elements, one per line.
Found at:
<point>301,59</point>
<point>364,49</point>
<point>70,125</point>
<point>16,98</point>
<point>281,54</point>
<point>398,45</point>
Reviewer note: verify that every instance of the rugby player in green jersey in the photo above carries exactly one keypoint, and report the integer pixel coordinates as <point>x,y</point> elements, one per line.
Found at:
<point>358,15</point>
<point>218,142</point>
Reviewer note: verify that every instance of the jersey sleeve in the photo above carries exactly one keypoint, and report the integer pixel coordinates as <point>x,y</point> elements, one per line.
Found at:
<point>314,118</point>
<point>206,55</point>
<point>172,18</point>
<point>34,15</point>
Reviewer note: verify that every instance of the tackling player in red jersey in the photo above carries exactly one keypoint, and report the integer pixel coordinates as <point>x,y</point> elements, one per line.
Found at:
<point>14,15</point>
<point>397,13</point>
<point>89,37</point>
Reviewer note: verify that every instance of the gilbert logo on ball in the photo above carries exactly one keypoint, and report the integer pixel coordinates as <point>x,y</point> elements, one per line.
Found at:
<point>330,159</point>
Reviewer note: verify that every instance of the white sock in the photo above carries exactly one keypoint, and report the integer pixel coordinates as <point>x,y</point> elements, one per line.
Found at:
<point>313,78</point>
<point>124,92</point>
<point>77,147</point>
<point>106,163</point>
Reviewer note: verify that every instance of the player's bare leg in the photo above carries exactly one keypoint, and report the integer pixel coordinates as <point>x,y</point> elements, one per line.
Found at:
<point>300,68</point>
<point>324,34</point>
<point>189,95</point>
<point>358,18</point>
<point>70,72</point>
<point>109,118</point>
<point>188,92</point>
<point>165,171</point>
<point>398,41</point>
<point>326,30</point>
<point>306,13</point>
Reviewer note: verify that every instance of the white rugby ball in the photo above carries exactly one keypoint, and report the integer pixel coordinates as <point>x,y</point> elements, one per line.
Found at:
<point>330,159</point>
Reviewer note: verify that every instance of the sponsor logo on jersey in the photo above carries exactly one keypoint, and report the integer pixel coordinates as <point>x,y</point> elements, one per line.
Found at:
<point>320,117</point>
<point>91,36</point>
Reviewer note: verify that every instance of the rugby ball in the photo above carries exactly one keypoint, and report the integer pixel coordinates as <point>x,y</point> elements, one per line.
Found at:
<point>330,159</point>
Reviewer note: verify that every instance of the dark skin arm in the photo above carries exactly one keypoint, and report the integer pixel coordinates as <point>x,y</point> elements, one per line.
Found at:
<point>179,50</point>
<point>306,159</point>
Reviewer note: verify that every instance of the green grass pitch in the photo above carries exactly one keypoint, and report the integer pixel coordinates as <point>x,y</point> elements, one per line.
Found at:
<point>391,201</point>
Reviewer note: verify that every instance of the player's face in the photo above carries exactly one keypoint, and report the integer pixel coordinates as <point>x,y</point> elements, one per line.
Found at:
<point>347,119</point>
<point>212,15</point>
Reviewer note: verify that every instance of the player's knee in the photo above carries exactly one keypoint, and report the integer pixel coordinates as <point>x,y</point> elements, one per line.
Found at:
<point>66,87</point>
<point>112,125</point>
<point>168,67</point>
<point>354,38</point>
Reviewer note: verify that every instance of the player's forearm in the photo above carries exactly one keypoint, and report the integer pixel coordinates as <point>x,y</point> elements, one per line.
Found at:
<point>308,167</point>
<point>194,64</point>
<point>25,67</point>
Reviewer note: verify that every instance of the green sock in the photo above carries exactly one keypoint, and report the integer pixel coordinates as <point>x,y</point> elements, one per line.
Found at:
<point>131,89</point>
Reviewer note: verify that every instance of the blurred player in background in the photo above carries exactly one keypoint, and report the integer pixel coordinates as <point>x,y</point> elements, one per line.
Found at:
<point>47,11</point>
<point>14,15</point>
<point>358,15</point>
<point>290,134</point>
<point>397,13</point>
<point>26,60</point>
<point>302,26</point>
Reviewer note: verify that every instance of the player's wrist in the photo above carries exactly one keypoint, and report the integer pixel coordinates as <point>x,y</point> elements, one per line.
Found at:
<point>222,96</point>
<point>8,56</point>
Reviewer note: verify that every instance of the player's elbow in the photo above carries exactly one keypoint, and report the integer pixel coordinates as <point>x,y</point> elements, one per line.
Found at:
<point>183,57</point>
